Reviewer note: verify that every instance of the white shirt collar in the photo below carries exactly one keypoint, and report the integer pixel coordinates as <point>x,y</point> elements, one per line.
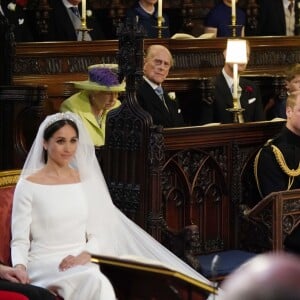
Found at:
<point>228,79</point>
<point>67,4</point>
<point>152,84</point>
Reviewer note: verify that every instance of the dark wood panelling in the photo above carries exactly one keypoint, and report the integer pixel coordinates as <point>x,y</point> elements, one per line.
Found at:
<point>21,109</point>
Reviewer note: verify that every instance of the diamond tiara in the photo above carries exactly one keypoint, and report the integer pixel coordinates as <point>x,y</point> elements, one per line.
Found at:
<point>61,116</point>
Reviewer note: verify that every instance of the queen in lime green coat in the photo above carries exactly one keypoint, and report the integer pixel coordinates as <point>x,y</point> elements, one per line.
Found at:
<point>97,96</point>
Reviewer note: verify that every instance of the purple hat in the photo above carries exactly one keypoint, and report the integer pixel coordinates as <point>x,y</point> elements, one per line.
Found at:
<point>102,77</point>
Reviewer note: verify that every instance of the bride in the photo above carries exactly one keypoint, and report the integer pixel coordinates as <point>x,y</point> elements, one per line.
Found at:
<point>63,213</point>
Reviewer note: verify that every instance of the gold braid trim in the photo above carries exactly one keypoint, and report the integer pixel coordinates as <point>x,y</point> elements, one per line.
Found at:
<point>256,172</point>
<point>282,163</point>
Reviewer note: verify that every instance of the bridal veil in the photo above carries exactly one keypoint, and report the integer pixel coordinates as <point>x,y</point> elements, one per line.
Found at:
<point>117,235</point>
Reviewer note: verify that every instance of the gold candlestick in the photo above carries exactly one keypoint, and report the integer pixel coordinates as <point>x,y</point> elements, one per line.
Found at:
<point>159,26</point>
<point>83,28</point>
<point>236,53</point>
<point>233,24</point>
<point>236,111</point>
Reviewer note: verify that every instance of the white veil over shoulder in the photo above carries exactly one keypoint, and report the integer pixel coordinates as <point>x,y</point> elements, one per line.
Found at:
<point>118,235</point>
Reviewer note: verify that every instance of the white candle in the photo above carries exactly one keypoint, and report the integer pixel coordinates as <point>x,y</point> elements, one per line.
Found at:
<point>159,12</point>
<point>233,11</point>
<point>235,85</point>
<point>83,9</point>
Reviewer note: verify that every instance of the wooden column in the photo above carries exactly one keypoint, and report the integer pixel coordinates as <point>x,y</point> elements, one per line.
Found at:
<point>131,164</point>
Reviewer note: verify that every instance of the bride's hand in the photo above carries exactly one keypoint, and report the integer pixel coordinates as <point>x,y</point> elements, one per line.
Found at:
<point>71,261</point>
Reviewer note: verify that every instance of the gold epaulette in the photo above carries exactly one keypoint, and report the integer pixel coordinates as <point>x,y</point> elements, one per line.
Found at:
<point>282,163</point>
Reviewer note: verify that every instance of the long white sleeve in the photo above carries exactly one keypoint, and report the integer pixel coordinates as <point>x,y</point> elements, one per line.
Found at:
<point>21,220</point>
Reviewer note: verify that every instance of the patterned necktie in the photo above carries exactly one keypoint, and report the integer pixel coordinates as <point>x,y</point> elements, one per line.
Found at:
<point>160,92</point>
<point>291,6</point>
<point>75,11</point>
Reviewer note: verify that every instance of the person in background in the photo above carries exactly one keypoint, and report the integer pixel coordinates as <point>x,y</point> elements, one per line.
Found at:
<point>98,95</point>
<point>276,17</point>
<point>65,19</point>
<point>218,20</point>
<point>215,111</point>
<point>276,166</point>
<point>145,12</point>
<point>12,280</point>
<point>17,16</point>
<point>267,276</point>
<point>276,106</point>
<point>150,94</point>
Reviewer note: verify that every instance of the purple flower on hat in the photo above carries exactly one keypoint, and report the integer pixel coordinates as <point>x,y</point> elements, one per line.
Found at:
<point>103,76</point>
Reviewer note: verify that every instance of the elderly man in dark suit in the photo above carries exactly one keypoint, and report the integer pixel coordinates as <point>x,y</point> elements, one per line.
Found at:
<point>65,19</point>
<point>216,110</point>
<point>150,94</point>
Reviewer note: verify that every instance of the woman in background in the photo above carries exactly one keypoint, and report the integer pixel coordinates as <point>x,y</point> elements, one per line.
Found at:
<point>97,96</point>
<point>145,12</point>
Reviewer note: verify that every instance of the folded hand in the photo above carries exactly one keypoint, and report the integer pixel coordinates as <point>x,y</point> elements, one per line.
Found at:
<point>72,261</point>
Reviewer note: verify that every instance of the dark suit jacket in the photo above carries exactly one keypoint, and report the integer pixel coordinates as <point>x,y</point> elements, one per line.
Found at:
<point>61,27</point>
<point>215,111</point>
<point>271,18</point>
<point>151,102</point>
<point>19,20</point>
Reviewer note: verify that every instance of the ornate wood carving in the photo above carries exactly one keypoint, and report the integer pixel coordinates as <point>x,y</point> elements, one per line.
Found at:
<point>203,180</point>
<point>276,216</point>
<point>126,127</point>
<point>41,14</point>
<point>131,138</point>
<point>155,160</point>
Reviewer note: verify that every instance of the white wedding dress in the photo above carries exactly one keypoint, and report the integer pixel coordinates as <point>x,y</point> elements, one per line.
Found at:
<point>55,217</point>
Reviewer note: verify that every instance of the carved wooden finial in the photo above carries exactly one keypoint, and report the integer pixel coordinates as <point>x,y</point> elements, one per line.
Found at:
<point>131,53</point>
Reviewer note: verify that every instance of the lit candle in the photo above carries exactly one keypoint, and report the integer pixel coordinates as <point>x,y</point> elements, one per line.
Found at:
<point>83,9</point>
<point>235,85</point>
<point>233,12</point>
<point>159,13</point>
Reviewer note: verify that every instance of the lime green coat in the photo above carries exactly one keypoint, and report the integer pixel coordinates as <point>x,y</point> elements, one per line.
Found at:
<point>79,104</point>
